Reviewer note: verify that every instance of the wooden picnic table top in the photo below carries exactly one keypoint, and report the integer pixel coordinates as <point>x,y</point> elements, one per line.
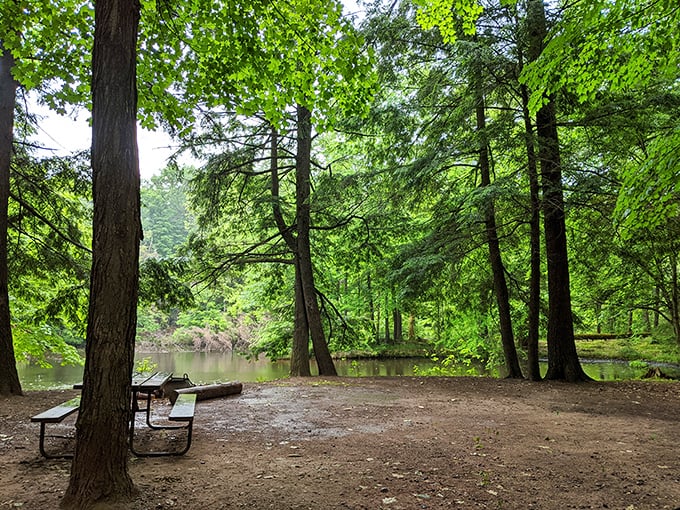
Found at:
<point>149,382</point>
<point>142,382</point>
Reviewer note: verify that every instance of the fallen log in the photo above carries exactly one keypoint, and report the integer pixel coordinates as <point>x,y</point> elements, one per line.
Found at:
<point>209,391</point>
<point>656,373</point>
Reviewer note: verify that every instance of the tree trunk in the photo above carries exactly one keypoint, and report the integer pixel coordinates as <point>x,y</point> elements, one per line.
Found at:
<point>533,367</point>
<point>630,322</point>
<point>371,305</point>
<point>378,340</point>
<point>657,304</point>
<point>299,355</point>
<point>99,471</point>
<point>411,328</point>
<point>303,255</point>
<point>563,362</point>
<point>387,320</point>
<point>647,320</point>
<point>499,283</point>
<point>675,296</point>
<point>9,378</point>
<point>397,324</point>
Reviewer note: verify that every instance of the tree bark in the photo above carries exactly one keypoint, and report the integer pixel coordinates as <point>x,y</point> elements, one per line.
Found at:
<point>675,296</point>
<point>99,471</point>
<point>371,306</point>
<point>657,300</point>
<point>9,377</point>
<point>563,362</point>
<point>299,355</point>
<point>303,254</point>
<point>387,320</point>
<point>533,367</point>
<point>209,391</point>
<point>499,283</point>
<point>397,324</point>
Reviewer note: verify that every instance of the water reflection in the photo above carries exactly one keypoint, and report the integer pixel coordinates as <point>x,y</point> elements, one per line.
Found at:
<point>204,368</point>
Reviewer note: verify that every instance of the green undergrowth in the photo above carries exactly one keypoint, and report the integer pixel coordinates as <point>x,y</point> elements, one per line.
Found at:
<point>405,350</point>
<point>635,348</point>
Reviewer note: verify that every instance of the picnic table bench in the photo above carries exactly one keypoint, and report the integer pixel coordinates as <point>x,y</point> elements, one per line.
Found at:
<point>143,389</point>
<point>55,415</point>
<point>182,410</point>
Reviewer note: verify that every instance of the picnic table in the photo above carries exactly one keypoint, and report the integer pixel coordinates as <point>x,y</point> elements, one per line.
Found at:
<point>182,410</point>
<point>143,388</point>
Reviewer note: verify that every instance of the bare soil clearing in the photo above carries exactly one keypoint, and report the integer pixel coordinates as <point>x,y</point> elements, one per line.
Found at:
<point>391,443</point>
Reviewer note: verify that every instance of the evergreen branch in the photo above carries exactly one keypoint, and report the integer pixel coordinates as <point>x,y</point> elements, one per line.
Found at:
<point>50,224</point>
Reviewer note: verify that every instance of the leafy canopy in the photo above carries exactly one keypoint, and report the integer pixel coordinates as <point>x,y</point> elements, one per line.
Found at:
<point>255,57</point>
<point>451,17</point>
<point>629,47</point>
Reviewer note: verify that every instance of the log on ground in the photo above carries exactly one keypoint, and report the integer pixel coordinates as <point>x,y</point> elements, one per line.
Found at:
<point>209,391</point>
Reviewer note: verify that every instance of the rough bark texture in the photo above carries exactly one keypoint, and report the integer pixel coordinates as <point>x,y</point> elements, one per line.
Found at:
<point>397,324</point>
<point>209,391</point>
<point>9,378</point>
<point>563,362</point>
<point>499,283</point>
<point>99,472</point>
<point>533,369</point>
<point>674,304</point>
<point>299,355</point>
<point>303,254</point>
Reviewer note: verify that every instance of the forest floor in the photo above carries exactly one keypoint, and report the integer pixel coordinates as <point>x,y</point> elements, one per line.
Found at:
<point>390,443</point>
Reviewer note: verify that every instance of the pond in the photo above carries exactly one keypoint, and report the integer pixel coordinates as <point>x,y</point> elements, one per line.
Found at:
<point>208,367</point>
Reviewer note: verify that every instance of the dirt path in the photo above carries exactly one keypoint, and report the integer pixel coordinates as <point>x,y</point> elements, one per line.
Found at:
<point>392,443</point>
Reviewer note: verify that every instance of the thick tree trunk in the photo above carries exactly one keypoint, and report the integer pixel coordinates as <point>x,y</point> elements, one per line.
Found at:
<point>99,471</point>
<point>304,255</point>
<point>563,362</point>
<point>533,367</point>
<point>299,355</point>
<point>9,378</point>
<point>499,283</point>
<point>397,325</point>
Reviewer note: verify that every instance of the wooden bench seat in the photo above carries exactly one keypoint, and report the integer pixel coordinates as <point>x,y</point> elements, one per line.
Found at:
<point>184,407</point>
<point>182,410</point>
<point>55,415</point>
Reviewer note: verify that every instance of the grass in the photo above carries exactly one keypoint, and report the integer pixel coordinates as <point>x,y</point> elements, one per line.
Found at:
<point>402,350</point>
<point>656,348</point>
<point>647,348</point>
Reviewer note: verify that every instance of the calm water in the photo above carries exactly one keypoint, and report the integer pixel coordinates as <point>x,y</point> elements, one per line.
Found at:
<point>222,367</point>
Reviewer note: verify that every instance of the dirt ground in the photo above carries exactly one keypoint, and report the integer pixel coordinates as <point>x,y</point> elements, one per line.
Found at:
<point>390,443</point>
